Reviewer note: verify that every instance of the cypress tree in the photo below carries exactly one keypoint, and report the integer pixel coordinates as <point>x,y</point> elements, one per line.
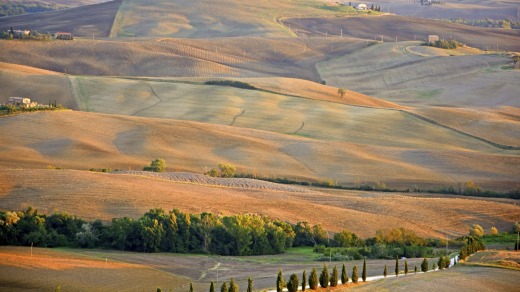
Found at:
<point>292,285</point>
<point>224,287</point>
<point>396,266</point>
<point>233,286</point>
<point>334,277</point>
<point>354,275</point>
<point>158,289</point>
<point>364,272</point>
<point>212,287</point>
<point>313,279</point>
<point>406,267</point>
<point>415,270</point>
<point>304,280</point>
<point>249,284</point>
<point>191,287</point>
<point>344,276</point>
<point>324,277</point>
<point>280,283</point>
<point>424,265</point>
<point>385,272</point>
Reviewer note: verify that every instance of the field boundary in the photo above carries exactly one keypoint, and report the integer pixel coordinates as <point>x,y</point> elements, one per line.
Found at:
<point>114,29</point>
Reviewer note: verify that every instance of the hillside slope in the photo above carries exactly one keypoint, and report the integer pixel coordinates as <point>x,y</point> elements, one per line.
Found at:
<point>434,156</point>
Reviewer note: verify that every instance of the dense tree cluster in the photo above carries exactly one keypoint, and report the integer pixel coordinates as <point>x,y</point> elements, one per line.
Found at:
<point>156,230</point>
<point>473,244</point>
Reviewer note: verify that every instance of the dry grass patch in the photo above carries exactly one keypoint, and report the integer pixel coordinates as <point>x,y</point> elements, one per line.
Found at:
<point>389,71</point>
<point>500,125</point>
<point>119,195</point>
<point>46,269</point>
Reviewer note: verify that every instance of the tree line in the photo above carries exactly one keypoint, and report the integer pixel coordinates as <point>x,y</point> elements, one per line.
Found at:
<point>179,232</point>
<point>18,8</point>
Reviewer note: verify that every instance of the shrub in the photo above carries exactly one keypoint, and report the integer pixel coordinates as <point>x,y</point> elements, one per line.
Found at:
<point>493,231</point>
<point>227,170</point>
<point>233,287</point>
<point>364,272</point>
<point>280,282</point>
<point>292,285</point>
<point>354,275</point>
<point>304,280</point>
<point>313,279</point>
<point>157,165</point>
<point>424,265</point>
<point>224,287</point>
<point>334,277</point>
<point>230,83</point>
<point>476,231</point>
<point>344,276</point>
<point>324,277</point>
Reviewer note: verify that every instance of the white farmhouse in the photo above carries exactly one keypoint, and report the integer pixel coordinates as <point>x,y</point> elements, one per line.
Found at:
<point>361,7</point>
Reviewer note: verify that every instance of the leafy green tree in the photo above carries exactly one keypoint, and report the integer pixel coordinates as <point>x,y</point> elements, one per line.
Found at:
<point>212,287</point>
<point>406,267</point>
<point>304,280</point>
<point>334,277</point>
<point>292,285</point>
<point>347,238</point>
<point>396,266</point>
<point>313,279</point>
<point>344,276</point>
<point>385,272</point>
<point>280,282</point>
<point>157,165</point>
<point>224,287</point>
<point>233,286</point>
<point>424,265</point>
<point>249,284</point>
<point>364,272</point>
<point>324,277</point>
<point>354,274</point>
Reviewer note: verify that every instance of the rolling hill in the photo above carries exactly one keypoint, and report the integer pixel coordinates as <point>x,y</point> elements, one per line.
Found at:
<point>88,21</point>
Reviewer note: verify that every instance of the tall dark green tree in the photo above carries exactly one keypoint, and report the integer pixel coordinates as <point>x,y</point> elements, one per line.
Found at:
<point>324,277</point>
<point>424,265</point>
<point>334,277</point>
<point>344,276</point>
<point>415,270</point>
<point>385,272</point>
<point>249,284</point>
<point>396,266</point>
<point>406,267</point>
<point>364,272</point>
<point>212,287</point>
<point>233,286</point>
<point>354,275</point>
<point>292,285</point>
<point>304,280</point>
<point>313,279</point>
<point>191,287</point>
<point>280,282</point>
<point>224,287</point>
